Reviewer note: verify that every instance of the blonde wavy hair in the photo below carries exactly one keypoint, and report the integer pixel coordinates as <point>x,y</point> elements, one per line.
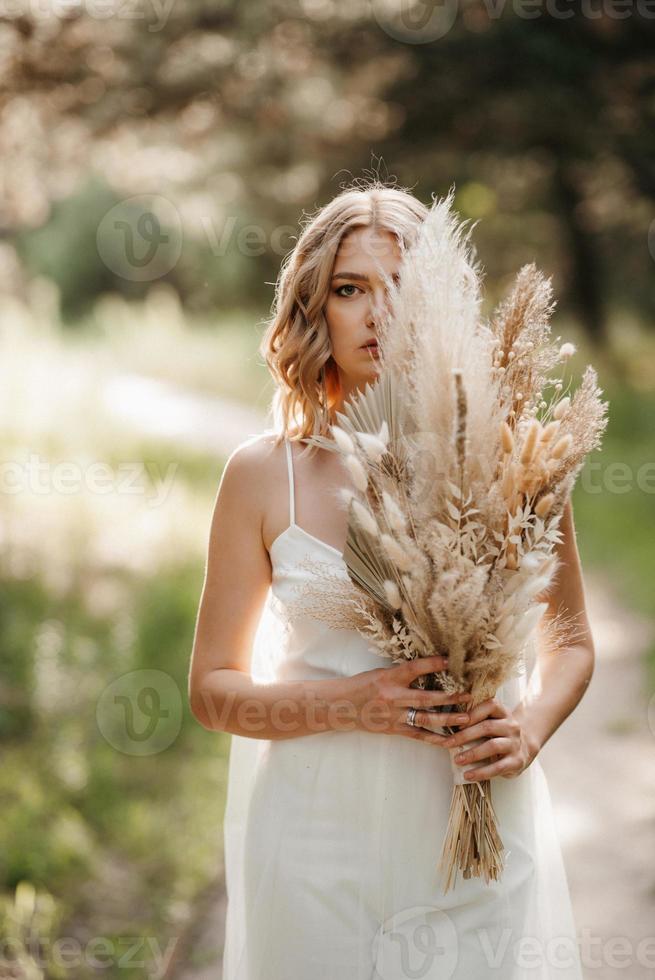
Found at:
<point>296,341</point>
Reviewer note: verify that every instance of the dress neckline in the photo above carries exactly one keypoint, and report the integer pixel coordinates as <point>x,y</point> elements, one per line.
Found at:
<point>312,537</point>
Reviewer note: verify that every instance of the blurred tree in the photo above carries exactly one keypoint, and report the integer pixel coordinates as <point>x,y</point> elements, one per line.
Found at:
<point>577,91</point>
<point>543,118</point>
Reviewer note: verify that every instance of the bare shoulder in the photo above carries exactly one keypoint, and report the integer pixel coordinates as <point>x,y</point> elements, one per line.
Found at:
<point>247,478</point>
<point>250,463</point>
<point>254,449</point>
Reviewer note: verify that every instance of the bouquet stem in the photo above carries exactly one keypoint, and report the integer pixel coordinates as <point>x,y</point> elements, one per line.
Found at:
<point>472,845</point>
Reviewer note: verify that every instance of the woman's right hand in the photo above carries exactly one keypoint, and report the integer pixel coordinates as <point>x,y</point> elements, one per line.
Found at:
<point>381,697</point>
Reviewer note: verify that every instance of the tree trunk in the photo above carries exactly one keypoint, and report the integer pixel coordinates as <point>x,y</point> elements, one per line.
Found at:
<point>586,281</point>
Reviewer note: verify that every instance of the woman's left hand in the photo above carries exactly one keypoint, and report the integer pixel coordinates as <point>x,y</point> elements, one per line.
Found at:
<point>507,750</point>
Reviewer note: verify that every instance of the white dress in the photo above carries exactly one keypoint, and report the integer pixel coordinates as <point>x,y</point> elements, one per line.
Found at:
<point>332,839</point>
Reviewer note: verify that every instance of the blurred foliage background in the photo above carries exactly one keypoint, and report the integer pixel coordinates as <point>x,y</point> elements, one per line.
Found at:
<point>156,165</point>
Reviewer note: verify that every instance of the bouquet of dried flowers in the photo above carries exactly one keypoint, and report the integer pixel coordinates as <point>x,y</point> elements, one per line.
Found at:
<point>462,455</point>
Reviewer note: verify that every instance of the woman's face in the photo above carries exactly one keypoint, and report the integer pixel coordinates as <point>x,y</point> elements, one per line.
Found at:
<point>357,297</point>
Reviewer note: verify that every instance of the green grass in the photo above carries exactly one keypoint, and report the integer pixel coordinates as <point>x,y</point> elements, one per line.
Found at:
<point>154,337</point>
<point>122,840</point>
<point>614,503</point>
<point>117,842</point>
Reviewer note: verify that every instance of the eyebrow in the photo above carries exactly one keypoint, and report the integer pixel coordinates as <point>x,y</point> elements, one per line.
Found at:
<point>358,275</point>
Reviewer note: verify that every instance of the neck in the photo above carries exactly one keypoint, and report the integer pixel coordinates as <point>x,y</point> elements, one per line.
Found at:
<point>347,389</point>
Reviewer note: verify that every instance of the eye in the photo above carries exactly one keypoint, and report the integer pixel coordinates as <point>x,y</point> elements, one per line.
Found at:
<point>348,285</point>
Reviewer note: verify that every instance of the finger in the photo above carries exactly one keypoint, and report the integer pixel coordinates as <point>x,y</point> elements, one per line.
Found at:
<point>507,766</point>
<point>419,734</point>
<point>485,750</point>
<point>435,720</point>
<point>425,665</point>
<point>415,698</point>
<point>488,728</point>
<point>488,709</point>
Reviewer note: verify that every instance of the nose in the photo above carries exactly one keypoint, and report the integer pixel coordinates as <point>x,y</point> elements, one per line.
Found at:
<point>378,303</point>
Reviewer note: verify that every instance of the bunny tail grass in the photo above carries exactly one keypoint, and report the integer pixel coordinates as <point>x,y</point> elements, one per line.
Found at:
<point>472,845</point>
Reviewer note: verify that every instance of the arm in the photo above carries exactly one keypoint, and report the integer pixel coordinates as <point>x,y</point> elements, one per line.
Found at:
<point>222,693</point>
<point>564,672</point>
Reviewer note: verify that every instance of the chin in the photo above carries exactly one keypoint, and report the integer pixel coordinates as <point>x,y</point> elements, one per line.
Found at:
<point>360,378</point>
<point>371,374</point>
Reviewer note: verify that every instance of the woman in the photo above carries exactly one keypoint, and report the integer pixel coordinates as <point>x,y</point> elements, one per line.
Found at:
<point>337,804</point>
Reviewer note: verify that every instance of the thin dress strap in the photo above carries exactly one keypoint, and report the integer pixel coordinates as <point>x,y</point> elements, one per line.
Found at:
<point>292,502</point>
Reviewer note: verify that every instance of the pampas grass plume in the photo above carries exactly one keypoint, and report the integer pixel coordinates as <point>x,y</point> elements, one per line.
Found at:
<point>507,438</point>
<point>530,442</point>
<point>561,407</point>
<point>343,440</point>
<point>562,446</point>
<point>528,621</point>
<point>399,557</point>
<point>346,495</point>
<point>531,561</point>
<point>550,430</point>
<point>365,518</point>
<point>372,445</point>
<point>393,512</point>
<point>509,481</point>
<point>534,586</point>
<point>544,505</point>
<point>357,471</point>
<point>392,593</point>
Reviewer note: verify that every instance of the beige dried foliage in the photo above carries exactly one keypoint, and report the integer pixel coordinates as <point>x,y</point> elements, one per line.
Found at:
<point>585,422</point>
<point>463,507</point>
<point>524,352</point>
<point>328,596</point>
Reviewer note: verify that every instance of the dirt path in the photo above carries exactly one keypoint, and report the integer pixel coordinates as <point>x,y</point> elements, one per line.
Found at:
<point>600,764</point>
<point>159,409</point>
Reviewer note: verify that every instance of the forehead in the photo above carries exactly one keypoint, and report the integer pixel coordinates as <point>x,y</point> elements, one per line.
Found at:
<point>366,250</point>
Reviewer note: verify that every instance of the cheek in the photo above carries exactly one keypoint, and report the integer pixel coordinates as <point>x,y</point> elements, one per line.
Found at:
<point>341,320</point>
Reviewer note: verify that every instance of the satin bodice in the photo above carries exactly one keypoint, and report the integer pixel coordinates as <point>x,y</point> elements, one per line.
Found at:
<point>294,645</point>
<point>308,647</point>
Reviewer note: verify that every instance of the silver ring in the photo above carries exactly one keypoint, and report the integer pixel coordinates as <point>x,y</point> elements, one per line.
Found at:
<point>411,715</point>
